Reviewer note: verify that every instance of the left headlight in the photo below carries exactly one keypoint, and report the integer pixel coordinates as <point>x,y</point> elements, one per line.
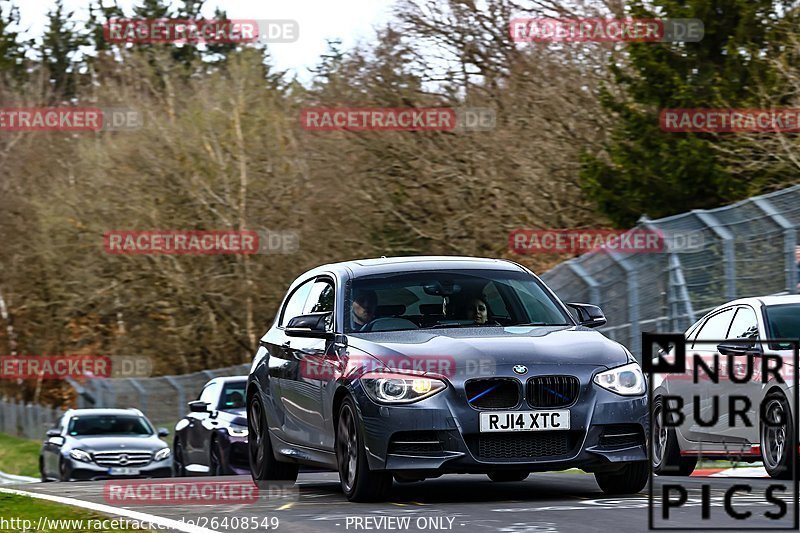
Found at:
<point>162,454</point>
<point>626,380</point>
<point>80,455</point>
<point>237,431</point>
<point>393,387</point>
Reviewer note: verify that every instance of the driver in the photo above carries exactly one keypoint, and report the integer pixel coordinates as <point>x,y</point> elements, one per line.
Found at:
<point>362,311</point>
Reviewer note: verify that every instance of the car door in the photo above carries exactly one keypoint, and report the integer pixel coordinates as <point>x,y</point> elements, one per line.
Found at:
<point>51,450</point>
<point>710,396</point>
<point>282,365</point>
<point>196,431</point>
<point>302,390</point>
<point>744,326</point>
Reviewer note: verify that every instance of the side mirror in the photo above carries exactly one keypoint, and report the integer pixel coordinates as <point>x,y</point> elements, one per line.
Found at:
<point>198,406</point>
<point>314,325</point>
<point>746,347</point>
<point>53,432</point>
<point>163,432</point>
<point>589,315</point>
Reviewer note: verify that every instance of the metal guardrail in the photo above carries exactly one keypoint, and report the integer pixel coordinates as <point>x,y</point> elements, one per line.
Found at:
<point>710,257</point>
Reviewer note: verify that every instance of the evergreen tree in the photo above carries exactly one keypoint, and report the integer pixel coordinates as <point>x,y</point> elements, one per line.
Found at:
<point>645,170</point>
<point>60,51</point>
<point>12,47</point>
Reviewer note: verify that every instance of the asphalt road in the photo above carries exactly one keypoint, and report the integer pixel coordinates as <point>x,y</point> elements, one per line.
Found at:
<point>551,502</point>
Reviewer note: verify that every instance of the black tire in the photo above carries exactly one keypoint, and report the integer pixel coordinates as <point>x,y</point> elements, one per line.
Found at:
<point>359,483</point>
<point>178,465</point>
<point>776,449</point>
<point>666,453</point>
<point>502,476</point>
<point>630,479</point>
<point>264,467</point>
<point>215,467</point>
<point>63,474</point>
<point>42,476</point>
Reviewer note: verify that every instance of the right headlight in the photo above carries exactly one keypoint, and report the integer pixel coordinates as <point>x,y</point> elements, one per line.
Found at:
<point>397,388</point>
<point>626,380</point>
<point>80,455</point>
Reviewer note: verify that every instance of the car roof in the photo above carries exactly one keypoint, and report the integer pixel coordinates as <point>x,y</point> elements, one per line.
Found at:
<point>226,379</point>
<point>104,411</point>
<point>758,301</point>
<point>384,265</point>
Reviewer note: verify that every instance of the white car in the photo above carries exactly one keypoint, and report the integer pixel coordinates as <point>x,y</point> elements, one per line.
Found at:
<point>723,433</point>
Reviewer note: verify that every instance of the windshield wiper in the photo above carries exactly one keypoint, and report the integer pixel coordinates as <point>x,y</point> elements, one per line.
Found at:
<point>537,324</point>
<point>435,326</point>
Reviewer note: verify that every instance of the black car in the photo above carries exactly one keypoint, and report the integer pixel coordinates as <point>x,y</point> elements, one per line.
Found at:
<point>92,444</point>
<point>212,438</point>
<point>409,368</point>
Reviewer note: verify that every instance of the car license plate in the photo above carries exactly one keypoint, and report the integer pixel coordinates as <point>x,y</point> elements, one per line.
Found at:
<point>123,471</point>
<point>524,421</point>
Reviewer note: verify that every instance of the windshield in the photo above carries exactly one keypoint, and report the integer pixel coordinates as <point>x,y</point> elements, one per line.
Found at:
<point>109,425</point>
<point>449,299</point>
<point>784,321</point>
<point>232,396</point>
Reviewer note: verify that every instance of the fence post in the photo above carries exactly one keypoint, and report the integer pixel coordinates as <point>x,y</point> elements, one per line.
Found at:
<point>789,241</point>
<point>181,399</point>
<point>729,254</point>
<point>678,283</point>
<point>632,277</point>
<point>593,284</point>
<point>141,393</point>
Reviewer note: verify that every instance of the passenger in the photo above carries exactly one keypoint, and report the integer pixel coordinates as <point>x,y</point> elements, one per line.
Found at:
<point>478,310</point>
<point>362,311</point>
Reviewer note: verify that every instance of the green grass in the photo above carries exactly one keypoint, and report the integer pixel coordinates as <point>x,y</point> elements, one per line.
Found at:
<point>26,508</point>
<point>19,456</point>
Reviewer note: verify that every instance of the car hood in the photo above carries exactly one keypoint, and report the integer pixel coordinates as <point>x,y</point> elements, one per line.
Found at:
<point>502,346</point>
<point>237,417</point>
<point>96,443</point>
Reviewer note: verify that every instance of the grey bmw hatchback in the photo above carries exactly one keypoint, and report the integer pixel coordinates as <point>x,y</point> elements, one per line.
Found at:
<point>402,369</point>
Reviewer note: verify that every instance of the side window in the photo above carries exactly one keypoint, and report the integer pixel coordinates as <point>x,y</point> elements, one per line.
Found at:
<point>745,324</point>
<point>294,307</point>
<point>496,304</point>
<point>209,394</point>
<point>716,327</point>
<point>320,299</point>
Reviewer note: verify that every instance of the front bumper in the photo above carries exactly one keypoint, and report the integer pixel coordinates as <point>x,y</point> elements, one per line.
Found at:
<point>449,419</point>
<point>81,471</point>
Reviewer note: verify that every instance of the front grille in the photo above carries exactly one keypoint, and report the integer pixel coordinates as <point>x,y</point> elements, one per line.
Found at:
<point>522,445</point>
<point>552,391</point>
<point>622,435</point>
<point>415,442</point>
<point>122,458</point>
<point>492,393</point>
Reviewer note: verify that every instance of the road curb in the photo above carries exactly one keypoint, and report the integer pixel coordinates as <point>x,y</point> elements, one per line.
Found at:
<point>8,479</point>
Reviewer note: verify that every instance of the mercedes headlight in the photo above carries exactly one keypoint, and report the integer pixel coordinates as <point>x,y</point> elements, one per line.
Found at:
<point>626,380</point>
<point>80,455</point>
<point>237,431</point>
<point>162,454</point>
<point>394,388</point>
